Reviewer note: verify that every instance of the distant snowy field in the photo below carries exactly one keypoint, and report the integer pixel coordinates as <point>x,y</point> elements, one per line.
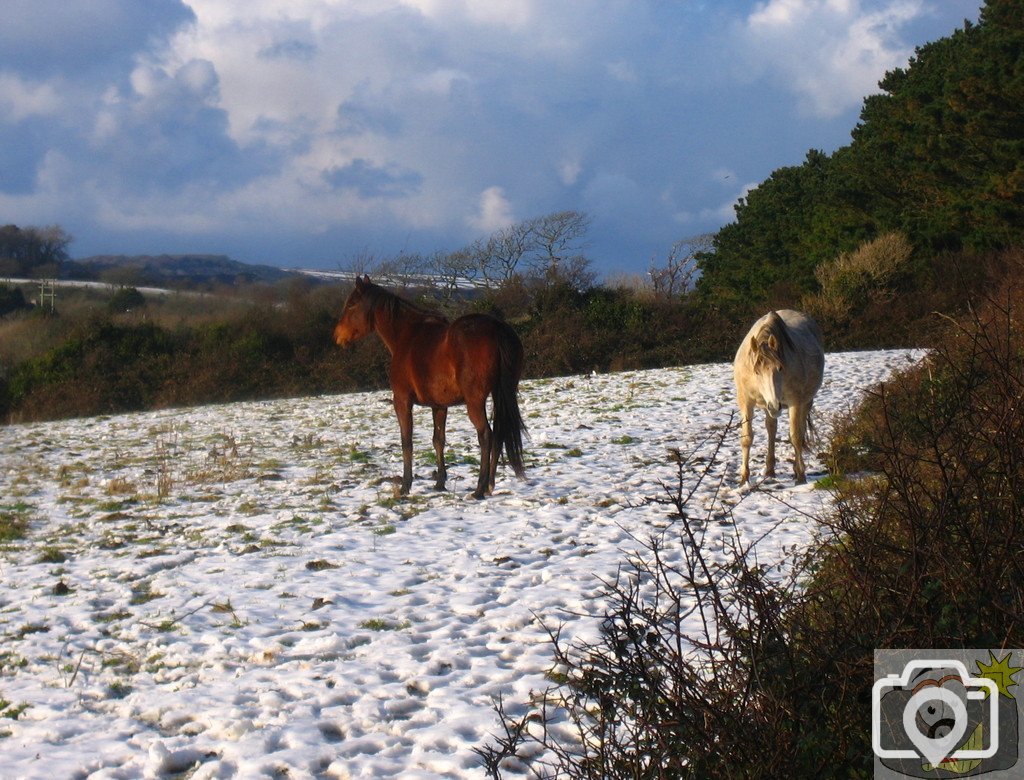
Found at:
<point>236,591</point>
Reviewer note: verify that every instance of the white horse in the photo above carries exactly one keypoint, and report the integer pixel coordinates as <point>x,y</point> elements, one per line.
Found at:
<point>779,364</point>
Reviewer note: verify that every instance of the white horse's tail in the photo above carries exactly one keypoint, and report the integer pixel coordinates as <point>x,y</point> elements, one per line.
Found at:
<point>810,429</point>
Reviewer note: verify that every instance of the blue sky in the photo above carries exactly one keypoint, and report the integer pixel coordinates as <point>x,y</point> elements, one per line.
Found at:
<point>306,133</point>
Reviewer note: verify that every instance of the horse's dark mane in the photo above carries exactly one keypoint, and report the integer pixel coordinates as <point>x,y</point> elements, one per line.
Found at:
<point>390,306</point>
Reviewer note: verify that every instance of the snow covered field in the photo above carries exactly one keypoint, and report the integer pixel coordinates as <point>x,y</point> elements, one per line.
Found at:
<point>236,591</point>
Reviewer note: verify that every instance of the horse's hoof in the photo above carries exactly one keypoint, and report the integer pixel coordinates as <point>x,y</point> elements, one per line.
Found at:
<point>439,487</point>
<point>478,495</point>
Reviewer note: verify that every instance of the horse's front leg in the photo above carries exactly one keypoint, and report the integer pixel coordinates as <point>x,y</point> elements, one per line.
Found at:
<point>746,436</point>
<point>771,424</point>
<point>440,419</point>
<point>403,408</point>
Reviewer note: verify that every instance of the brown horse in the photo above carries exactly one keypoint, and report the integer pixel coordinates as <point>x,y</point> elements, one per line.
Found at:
<point>438,363</point>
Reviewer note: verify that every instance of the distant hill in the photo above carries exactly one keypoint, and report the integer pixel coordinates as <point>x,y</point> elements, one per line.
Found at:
<point>172,270</point>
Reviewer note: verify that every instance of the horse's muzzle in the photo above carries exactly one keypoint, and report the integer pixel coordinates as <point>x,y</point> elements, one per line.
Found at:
<point>341,336</point>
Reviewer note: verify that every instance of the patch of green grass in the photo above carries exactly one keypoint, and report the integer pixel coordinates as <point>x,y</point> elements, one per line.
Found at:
<point>12,526</point>
<point>624,439</point>
<point>32,628</point>
<point>119,689</point>
<point>10,660</point>
<point>355,455</point>
<point>11,710</point>
<point>830,482</point>
<point>110,541</point>
<point>575,452</point>
<point>113,617</point>
<point>380,624</point>
<point>14,521</point>
<point>114,506</point>
<point>384,530</point>
<point>320,565</point>
<point>143,594</point>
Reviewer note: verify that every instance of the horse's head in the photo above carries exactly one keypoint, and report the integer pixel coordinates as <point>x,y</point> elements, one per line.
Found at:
<point>357,317</point>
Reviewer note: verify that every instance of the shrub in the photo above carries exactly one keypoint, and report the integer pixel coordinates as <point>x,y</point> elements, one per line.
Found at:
<point>11,299</point>
<point>853,279</point>
<point>125,299</point>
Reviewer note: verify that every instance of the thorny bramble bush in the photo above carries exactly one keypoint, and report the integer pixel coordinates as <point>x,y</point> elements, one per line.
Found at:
<point>710,669</point>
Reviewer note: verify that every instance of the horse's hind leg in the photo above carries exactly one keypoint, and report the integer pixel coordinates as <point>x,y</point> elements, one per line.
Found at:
<point>440,418</point>
<point>771,424</point>
<point>478,416</point>
<point>798,436</point>
<point>493,470</point>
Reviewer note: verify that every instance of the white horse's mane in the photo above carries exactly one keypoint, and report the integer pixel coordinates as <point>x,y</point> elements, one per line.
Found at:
<point>769,345</point>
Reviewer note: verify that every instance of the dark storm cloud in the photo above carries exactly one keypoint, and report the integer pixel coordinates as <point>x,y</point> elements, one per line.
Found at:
<point>370,181</point>
<point>75,38</point>
<point>292,49</point>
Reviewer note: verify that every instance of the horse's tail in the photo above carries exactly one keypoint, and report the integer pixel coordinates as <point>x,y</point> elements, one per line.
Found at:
<point>810,437</point>
<point>508,423</point>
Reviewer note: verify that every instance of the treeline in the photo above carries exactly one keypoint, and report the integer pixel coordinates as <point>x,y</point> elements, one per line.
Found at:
<point>937,156</point>
<point>124,351</point>
<point>32,252</point>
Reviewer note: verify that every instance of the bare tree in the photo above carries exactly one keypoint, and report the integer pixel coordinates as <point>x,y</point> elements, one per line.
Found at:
<point>363,262</point>
<point>556,241</point>
<point>677,275</point>
<point>404,270</point>
<point>449,272</point>
<point>500,255</point>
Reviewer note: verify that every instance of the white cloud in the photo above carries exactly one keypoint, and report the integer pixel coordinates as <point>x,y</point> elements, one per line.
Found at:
<point>495,211</point>
<point>21,99</point>
<point>623,71</point>
<point>831,53</point>
<point>506,13</point>
<point>721,214</point>
<point>569,170</point>
<point>391,120</point>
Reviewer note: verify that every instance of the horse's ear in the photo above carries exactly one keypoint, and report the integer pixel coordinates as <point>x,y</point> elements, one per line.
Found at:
<point>360,284</point>
<point>366,279</point>
<point>773,343</point>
